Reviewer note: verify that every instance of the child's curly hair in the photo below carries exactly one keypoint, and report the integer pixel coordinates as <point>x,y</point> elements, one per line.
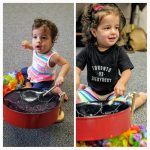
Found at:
<point>92,16</point>
<point>47,25</point>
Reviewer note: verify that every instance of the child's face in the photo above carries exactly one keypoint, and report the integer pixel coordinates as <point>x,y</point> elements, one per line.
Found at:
<point>41,40</point>
<point>107,33</point>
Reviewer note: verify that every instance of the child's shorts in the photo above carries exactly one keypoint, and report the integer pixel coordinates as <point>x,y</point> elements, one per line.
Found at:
<point>87,95</point>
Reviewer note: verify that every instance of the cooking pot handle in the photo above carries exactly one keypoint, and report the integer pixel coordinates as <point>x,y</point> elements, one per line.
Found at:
<point>133,105</point>
<point>61,99</point>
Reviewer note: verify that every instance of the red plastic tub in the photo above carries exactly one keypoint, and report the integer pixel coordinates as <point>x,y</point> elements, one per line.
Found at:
<point>102,127</point>
<point>22,119</point>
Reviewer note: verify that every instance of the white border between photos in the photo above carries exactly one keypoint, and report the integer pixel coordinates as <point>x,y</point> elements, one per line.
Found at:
<point>74,75</point>
<point>38,1</point>
<point>1,73</point>
<point>72,1</point>
<point>148,75</point>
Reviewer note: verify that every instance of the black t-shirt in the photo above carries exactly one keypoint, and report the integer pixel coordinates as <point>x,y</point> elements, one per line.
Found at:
<point>103,68</point>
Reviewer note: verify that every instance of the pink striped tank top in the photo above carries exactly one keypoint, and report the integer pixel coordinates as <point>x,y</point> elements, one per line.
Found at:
<point>40,70</point>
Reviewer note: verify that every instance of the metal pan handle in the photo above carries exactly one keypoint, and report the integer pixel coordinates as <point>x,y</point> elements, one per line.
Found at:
<point>49,90</point>
<point>61,99</point>
<point>133,105</point>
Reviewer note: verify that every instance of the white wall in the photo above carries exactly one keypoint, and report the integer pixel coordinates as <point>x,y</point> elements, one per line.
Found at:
<point>143,19</point>
<point>140,19</point>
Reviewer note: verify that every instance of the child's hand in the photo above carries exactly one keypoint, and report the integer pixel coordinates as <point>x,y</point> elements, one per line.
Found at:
<point>26,44</point>
<point>119,89</point>
<point>59,81</point>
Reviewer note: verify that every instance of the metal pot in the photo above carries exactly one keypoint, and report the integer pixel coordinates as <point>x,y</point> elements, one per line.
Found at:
<point>93,122</point>
<point>33,112</point>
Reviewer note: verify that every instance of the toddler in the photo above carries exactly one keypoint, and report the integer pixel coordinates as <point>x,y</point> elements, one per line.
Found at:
<point>108,65</point>
<point>42,73</point>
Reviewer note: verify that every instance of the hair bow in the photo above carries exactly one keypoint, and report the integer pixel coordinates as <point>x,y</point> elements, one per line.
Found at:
<point>98,7</point>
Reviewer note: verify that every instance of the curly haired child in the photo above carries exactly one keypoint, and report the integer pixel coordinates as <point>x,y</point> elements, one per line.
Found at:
<point>108,65</point>
<point>42,73</point>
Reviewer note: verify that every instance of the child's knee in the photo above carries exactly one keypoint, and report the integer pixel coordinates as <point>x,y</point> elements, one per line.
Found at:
<point>82,87</point>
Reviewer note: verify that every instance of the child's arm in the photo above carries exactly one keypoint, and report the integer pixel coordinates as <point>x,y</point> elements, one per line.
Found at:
<point>78,72</point>
<point>120,87</point>
<point>59,60</point>
<point>26,45</point>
